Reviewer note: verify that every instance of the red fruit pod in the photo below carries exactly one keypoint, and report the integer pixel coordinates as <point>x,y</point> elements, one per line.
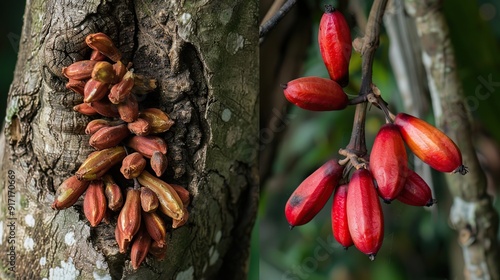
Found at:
<point>315,94</point>
<point>430,144</point>
<point>416,192</point>
<point>388,162</point>
<point>364,213</point>
<point>313,193</point>
<point>335,44</point>
<point>340,226</point>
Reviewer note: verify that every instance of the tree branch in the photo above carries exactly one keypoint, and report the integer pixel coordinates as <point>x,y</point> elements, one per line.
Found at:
<point>271,23</point>
<point>369,44</point>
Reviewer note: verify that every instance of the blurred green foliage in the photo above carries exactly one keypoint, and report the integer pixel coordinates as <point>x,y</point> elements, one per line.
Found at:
<point>418,241</point>
<point>11,20</point>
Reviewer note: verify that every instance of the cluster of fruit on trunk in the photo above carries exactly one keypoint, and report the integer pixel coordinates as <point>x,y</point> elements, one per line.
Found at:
<point>357,217</point>
<point>123,134</point>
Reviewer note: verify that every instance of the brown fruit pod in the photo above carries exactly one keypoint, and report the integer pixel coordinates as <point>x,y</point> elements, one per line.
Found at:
<point>183,194</point>
<point>109,136</point>
<point>121,91</point>
<point>140,248</point>
<point>80,70</point>
<point>158,120</point>
<point>94,125</point>
<point>85,109</point>
<point>120,71</point>
<point>316,94</point>
<point>129,219</point>
<point>122,242</point>
<point>159,163</point>
<point>103,72</point>
<point>158,252</point>
<point>149,200</point>
<point>156,227</point>
<point>177,223</point>
<point>76,86</point>
<point>170,202</point>
<point>69,192</point>
<point>103,44</point>
<point>99,162</point>
<point>132,165</point>
<point>97,56</point>
<point>94,203</point>
<point>139,127</point>
<point>94,91</point>
<point>147,145</point>
<point>113,193</point>
<point>129,110</point>
<point>105,108</point>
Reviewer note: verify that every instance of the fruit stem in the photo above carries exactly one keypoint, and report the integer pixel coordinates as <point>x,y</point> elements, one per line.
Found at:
<point>357,143</point>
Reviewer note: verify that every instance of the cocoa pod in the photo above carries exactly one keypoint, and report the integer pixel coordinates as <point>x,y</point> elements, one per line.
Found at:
<point>121,91</point>
<point>94,91</point>
<point>94,125</point>
<point>170,202</point>
<point>416,192</point>
<point>340,226</point>
<point>156,227</point>
<point>103,72</point>
<point>103,44</point>
<point>158,163</point>
<point>76,86</point>
<point>80,70</point>
<point>149,200</point>
<point>364,213</point>
<point>99,162</point>
<point>129,110</point>
<point>313,193</point>
<point>139,127</point>
<point>120,70</point>
<point>129,219</point>
<point>113,193</point>
<point>183,194</point>
<point>335,45</point>
<point>85,109</point>
<point>177,223</point>
<point>94,203</point>
<point>388,162</point>
<point>97,56</point>
<point>132,165</point>
<point>158,252</point>
<point>147,145</point>
<point>109,136</point>
<point>69,192</point>
<point>105,108</point>
<point>122,242</point>
<point>430,144</point>
<point>316,94</point>
<point>140,248</point>
<point>158,120</point>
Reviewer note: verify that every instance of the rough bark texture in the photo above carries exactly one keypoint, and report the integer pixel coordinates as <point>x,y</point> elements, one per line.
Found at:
<point>204,56</point>
<point>472,213</point>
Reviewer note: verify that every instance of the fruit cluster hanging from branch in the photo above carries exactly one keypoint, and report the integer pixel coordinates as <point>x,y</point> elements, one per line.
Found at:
<point>357,217</point>
<point>141,203</point>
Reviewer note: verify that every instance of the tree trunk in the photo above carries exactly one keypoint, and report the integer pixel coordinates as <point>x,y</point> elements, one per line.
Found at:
<point>204,56</point>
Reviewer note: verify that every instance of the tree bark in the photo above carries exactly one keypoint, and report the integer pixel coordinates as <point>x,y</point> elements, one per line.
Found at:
<point>205,59</point>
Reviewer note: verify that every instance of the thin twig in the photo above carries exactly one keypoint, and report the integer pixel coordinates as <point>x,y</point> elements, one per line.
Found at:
<point>271,23</point>
<point>357,143</point>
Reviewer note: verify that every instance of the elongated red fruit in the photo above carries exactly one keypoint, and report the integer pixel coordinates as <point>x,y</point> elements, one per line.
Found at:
<point>388,162</point>
<point>416,192</point>
<point>315,94</point>
<point>312,194</point>
<point>430,144</point>
<point>340,226</point>
<point>364,214</point>
<point>335,44</point>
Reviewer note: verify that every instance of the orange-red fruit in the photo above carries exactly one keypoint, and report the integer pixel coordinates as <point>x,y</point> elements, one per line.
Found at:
<point>364,213</point>
<point>316,94</point>
<point>388,162</point>
<point>340,226</point>
<point>94,203</point>
<point>430,144</point>
<point>140,248</point>
<point>335,46</point>
<point>416,192</point>
<point>312,194</point>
